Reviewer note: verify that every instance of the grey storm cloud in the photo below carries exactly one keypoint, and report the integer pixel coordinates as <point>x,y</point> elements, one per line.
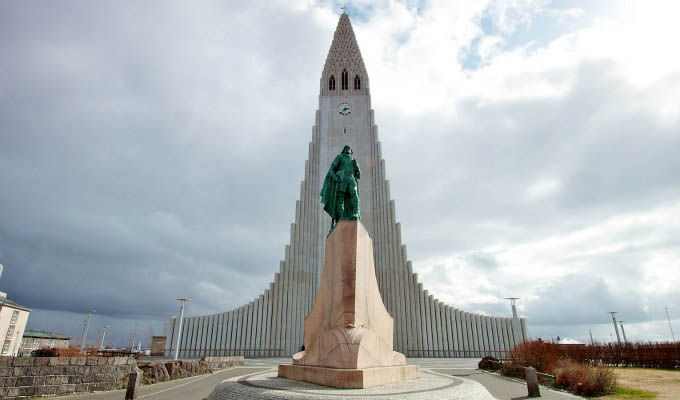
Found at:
<point>154,150</point>
<point>581,299</point>
<point>140,161</point>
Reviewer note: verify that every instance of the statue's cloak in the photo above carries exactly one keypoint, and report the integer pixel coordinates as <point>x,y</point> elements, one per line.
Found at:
<point>328,193</point>
<point>330,185</point>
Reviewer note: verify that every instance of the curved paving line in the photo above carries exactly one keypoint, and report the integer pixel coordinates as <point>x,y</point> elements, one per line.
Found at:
<point>244,381</point>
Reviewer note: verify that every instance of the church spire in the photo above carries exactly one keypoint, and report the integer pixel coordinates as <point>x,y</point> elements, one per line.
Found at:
<point>344,72</point>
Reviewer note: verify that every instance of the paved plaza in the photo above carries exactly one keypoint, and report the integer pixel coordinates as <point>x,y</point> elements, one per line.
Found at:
<point>442,378</point>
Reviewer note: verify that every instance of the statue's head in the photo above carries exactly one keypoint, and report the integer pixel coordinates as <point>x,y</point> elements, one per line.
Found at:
<point>347,150</point>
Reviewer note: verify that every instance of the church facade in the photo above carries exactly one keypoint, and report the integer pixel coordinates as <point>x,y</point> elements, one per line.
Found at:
<point>272,324</point>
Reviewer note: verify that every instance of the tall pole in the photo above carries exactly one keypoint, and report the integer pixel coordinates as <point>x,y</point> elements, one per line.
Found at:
<point>134,336</point>
<point>591,337</point>
<point>512,304</point>
<point>101,345</point>
<point>624,332</point>
<point>181,319</point>
<point>87,326</point>
<point>616,327</point>
<point>669,324</point>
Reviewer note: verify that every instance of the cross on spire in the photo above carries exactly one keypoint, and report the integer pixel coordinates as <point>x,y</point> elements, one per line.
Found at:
<point>344,8</point>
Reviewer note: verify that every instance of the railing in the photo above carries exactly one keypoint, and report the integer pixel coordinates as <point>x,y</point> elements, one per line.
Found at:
<point>255,353</point>
<point>191,352</point>
<point>423,353</point>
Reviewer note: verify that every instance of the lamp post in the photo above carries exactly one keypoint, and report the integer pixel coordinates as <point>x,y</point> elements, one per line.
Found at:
<point>616,327</point>
<point>101,345</point>
<point>512,304</point>
<point>623,331</point>
<point>87,326</point>
<point>181,319</point>
<point>669,324</point>
<point>134,337</point>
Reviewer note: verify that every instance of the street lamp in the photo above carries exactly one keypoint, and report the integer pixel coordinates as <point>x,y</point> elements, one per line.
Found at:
<point>101,346</point>
<point>512,303</point>
<point>669,323</point>
<point>181,318</point>
<point>616,327</point>
<point>87,326</point>
<point>623,331</point>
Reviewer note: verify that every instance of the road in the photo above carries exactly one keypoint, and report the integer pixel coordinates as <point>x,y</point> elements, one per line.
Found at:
<point>194,388</point>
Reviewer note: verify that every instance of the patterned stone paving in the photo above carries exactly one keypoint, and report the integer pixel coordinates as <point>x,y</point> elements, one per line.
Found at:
<point>441,379</point>
<point>432,385</point>
<point>266,385</point>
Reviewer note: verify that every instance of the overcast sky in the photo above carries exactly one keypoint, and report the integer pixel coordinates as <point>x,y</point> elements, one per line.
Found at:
<point>154,150</point>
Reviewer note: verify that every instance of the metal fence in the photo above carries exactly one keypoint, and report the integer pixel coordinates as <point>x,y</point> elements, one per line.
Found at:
<point>423,353</point>
<point>193,352</point>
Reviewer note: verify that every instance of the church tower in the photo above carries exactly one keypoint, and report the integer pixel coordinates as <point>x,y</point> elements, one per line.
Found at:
<point>272,324</point>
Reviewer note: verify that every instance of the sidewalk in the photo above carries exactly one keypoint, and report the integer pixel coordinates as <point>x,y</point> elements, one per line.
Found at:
<point>504,388</point>
<point>193,388</point>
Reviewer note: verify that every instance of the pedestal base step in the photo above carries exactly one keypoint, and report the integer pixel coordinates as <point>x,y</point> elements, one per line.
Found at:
<point>350,378</point>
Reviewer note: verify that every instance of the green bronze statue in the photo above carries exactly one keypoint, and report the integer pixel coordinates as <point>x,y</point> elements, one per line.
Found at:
<point>340,192</point>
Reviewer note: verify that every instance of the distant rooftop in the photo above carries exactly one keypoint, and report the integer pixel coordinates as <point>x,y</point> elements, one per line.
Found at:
<point>44,335</point>
<point>4,302</point>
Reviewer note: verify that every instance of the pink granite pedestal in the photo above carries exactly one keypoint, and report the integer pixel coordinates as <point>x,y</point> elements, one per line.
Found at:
<point>349,333</point>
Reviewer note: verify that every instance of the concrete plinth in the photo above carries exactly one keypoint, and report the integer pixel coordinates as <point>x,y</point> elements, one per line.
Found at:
<point>350,378</point>
<point>348,334</point>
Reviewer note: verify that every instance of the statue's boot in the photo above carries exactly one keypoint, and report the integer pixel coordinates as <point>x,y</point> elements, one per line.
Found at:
<point>355,206</point>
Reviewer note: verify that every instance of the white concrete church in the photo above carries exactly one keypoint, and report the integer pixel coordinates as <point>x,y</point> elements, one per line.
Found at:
<point>271,325</point>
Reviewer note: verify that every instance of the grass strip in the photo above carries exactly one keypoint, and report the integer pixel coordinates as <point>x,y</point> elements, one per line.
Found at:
<point>625,393</point>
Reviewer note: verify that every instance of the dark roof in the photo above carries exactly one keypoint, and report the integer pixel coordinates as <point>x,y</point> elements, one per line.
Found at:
<point>45,335</point>
<point>4,302</point>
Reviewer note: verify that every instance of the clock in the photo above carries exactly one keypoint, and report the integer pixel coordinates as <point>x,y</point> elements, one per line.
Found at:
<point>344,109</point>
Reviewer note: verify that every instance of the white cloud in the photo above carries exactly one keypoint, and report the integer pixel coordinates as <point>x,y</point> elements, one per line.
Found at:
<point>543,188</point>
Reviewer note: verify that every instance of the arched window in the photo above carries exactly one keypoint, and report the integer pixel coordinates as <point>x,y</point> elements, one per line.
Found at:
<point>357,83</point>
<point>331,83</point>
<point>345,80</point>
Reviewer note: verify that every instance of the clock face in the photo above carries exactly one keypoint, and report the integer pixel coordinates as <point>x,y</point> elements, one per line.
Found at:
<point>344,109</point>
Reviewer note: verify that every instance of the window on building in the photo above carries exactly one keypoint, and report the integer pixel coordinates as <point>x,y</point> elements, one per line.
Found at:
<point>10,331</point>
<point>344,131</point>
<point>5,347</point>
<point>357,83</point>
<point>15,316</point>
<point>345,80</point>
<point>331,83</point>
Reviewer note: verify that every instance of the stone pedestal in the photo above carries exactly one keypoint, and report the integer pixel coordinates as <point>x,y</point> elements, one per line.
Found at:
<point>349,333</point>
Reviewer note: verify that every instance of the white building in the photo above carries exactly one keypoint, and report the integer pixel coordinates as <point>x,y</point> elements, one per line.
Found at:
<point>13,319</point>
<point>35,340</point>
